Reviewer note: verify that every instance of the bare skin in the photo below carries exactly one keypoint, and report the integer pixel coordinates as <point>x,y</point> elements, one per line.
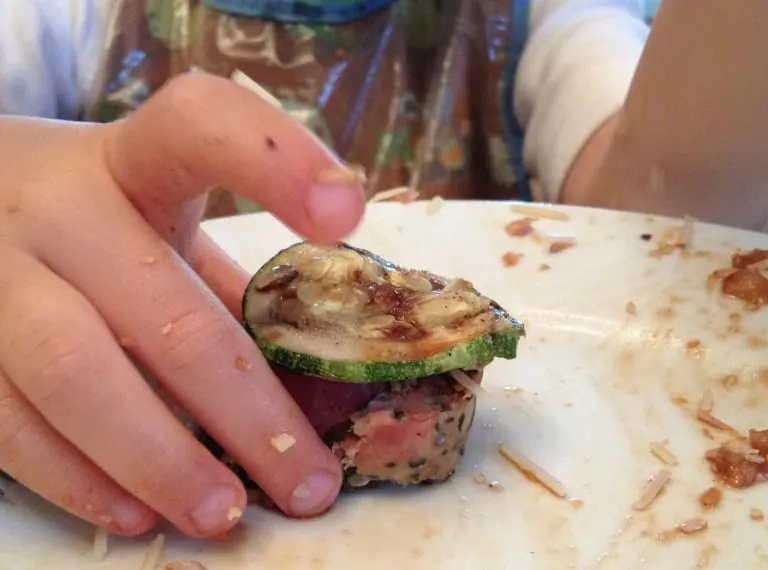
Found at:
<point>102,254</point>
<point>693,134</point>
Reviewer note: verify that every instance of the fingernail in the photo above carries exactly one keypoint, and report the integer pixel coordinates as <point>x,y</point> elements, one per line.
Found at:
<point>332,203</point>
<point>129,515</point>
<point>315,494</point>
<point>218,512</point>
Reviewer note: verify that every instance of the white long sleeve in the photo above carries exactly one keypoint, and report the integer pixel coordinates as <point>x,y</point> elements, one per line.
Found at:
<point>574,73</point>
<point>50,51</point>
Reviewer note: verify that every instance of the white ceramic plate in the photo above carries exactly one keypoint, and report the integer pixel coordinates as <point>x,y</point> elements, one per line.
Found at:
<point>596,386</point>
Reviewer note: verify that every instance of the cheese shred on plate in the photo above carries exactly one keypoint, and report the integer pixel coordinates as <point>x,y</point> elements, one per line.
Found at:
<point>532,471</point>
<point>154,553</point>
<point>100,544</point>
<point>653,488</point>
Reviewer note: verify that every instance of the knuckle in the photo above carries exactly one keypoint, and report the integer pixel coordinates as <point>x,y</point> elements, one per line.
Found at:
<point>59,361</point>
<point>196,336</point>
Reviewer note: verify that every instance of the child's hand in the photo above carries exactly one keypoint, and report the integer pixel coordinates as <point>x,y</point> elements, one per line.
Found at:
<point>99,252</point>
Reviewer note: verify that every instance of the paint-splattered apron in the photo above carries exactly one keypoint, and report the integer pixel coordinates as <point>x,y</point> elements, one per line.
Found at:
<point>418,92</point>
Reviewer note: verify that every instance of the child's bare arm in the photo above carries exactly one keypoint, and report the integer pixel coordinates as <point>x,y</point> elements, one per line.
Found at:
<point>693,136</point>
<point>573,76</point>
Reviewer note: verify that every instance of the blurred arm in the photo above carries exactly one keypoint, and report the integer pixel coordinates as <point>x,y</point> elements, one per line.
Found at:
<point>573,77</point>
<point>50,52</point>
<point>693,137</point>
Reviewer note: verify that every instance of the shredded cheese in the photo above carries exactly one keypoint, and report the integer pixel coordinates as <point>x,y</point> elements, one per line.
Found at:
<point>154,553</point>
<point>385,195</point>
<point>246,82</point>
<point>541,212</point>
<point>712,421</point>
<point>532,471</point>
<point>675,238</point>
<point>663,454</point>
<point>653,487</point>
<point>100,544</point>
<point>693,526</point>
<point>561,244</point>
<point>707,402</point>
<point>467,382</point>
<point>434,205</point>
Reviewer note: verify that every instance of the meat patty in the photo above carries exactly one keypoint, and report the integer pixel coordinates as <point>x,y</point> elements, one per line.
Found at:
<point>406,433</point>
<point>409,434</point>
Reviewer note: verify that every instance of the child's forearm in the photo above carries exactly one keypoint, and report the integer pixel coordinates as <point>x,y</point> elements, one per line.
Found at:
<point>574,74</point>
<point>50,52</point>
<point>693,136</point>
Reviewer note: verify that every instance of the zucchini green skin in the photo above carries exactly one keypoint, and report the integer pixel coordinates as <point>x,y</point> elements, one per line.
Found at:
<point>469,355</point>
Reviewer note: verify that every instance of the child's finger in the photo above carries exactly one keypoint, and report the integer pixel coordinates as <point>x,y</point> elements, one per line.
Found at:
<point>64,360</point>
<point>30,451</point>
<point>220,272</point>
<point>197,351</point>
<point>202,131</point>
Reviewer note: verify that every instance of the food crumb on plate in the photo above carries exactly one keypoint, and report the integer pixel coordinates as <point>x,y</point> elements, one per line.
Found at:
<point>693,526</point>
<point>561,244</point>
<point>746,280</point>
<point>544,267</point>
<point>711,498</point>
<point>757,342</point>
<point>631,308</point>
<point>665,312</point>
<point>480,479</point>
<point>756,515</point>
<point>675,239</point>
<point>739,463</point>
<point>694,348</point>
<point>730,380</point>
<point>510,259</point>
<point>706,402</point>
<point>434,205</point>
<point>519,228</point>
